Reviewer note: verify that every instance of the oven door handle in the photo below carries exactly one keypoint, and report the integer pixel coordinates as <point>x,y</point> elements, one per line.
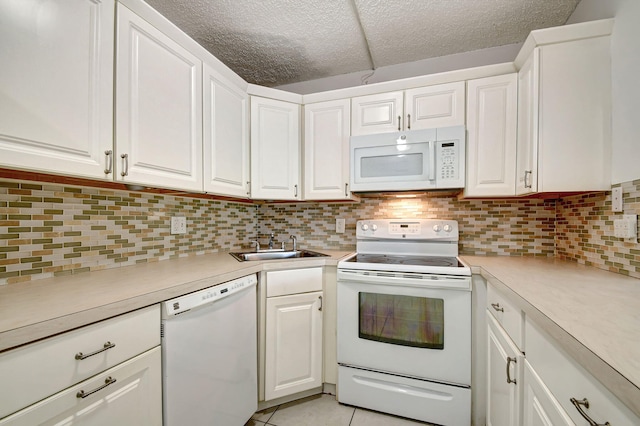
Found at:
<point>452,283</point>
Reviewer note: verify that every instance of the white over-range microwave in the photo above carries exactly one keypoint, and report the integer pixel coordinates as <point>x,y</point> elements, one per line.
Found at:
<point>408,161</point>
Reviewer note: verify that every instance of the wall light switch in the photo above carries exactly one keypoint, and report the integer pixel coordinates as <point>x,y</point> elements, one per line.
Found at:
<point>626,227</point>
<point>178,225</point>
<point>616,199</point>
<point>339,226</point>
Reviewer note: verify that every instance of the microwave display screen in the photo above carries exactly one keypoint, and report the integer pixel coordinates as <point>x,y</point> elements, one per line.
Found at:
<point>391,165</point>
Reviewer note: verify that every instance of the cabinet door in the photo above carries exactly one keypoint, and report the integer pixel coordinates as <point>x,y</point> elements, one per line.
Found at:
<point>574,139</point>
<point>293,355</point>
<point>540,406</point>
<point>504,377</point>
<point>56,86</point>
<point>326,150</point>
<point>491,143</point>
<point>381,113</point>
<point>527,144</point>
<point>158,107</point>
<point>226,136</point>
<point>275,151</point>
<point>429,107</point>
<point>128,394</point>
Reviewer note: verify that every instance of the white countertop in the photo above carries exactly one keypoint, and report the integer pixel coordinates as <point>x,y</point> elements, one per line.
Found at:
<point>42,308</point>
<point>592,313</point>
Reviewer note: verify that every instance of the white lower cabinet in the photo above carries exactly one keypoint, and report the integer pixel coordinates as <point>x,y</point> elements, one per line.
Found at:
<point>504,377</point>
<point>293,332</point>
<point>102,374</point>
<point>128,394</point>
<point>578,393</point>
<point>549,387</point>
<point>540,406</point>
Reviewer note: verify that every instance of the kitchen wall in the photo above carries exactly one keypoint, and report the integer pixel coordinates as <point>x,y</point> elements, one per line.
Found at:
<point>52,229</point>
<point>494,227</point>
<point>584,231</point>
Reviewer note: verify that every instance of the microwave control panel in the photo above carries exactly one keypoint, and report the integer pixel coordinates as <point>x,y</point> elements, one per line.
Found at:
<point>448,161</point>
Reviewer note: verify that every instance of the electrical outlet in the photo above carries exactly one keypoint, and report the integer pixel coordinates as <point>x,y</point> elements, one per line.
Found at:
<point>339,226</point>
<point>178,225</point>
<point>626,227</point>
<point>616,199</point>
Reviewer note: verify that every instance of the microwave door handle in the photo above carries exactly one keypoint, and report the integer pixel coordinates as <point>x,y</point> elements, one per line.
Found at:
<point>432,160</point>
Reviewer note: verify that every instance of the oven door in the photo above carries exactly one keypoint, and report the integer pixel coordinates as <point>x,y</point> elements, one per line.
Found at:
<point>418,327</point>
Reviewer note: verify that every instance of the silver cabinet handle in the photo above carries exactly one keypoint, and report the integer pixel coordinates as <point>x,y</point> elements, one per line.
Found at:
<point>248,187</point>
<point>399,119</point>
<point>125,164</point>
<point>497,307</point>
<point>346,189</point>
<point>295,191</point>
<point>108,381</point>
<point>106,346</point>
<point>578,404</point>
<point>320,308</point>
<point>109,161</point>
<point>509,361</point>
<point>408,121</point>
<point>530,174</point>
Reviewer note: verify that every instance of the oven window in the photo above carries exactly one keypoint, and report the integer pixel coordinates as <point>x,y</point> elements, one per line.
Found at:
<point>402,320</point>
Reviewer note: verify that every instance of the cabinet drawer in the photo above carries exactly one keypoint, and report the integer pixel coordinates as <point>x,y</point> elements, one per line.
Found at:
<point>566,379</point>
<point>509,316</point>
<point>293,281</point>
<point>38,370</point>
<point>132,397</point>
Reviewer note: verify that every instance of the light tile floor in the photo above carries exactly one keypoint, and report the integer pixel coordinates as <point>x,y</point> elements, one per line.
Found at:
<point>324,410</point>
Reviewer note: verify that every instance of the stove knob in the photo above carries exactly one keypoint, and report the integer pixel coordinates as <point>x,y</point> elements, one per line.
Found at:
<point>374,227</point>
<point>364,227</point>
<point>437,228</point>
<point>448,228</point>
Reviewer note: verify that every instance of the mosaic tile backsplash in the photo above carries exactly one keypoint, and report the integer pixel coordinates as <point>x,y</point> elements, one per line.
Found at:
<point>51,229</point>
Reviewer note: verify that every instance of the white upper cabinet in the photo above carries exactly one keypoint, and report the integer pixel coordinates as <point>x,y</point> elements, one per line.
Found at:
<point>56,86</point>
<point>564,112</point>
<point>422,108</point>
<point>491,136</point>
<point>326,150</point>
<point>226,136</point>
<point>434,106</point>
<point>275,149</point>
<point>158,107</point>
<point>380,113</point>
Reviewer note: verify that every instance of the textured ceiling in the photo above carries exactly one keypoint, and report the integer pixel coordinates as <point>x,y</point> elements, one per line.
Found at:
<point>274,42</point>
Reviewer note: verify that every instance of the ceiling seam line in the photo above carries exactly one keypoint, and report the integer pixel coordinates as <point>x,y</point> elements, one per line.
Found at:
<point>364,34</point>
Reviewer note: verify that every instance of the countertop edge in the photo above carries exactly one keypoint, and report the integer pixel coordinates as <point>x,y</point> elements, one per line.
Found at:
<point>623,389</point>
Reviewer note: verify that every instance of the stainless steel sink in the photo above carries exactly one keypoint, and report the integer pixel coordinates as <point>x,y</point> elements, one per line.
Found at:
<point>275,254</point>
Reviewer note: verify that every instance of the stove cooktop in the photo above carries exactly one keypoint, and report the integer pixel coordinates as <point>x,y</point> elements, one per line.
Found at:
<point>448,262</point>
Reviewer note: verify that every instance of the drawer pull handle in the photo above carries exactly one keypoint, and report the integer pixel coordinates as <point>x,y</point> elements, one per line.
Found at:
<point>107,345</point>
<point>509,361</point>
<point>320,308</point>
<point>497,307</point>
<point>108,381</point>
<point>577,403</point>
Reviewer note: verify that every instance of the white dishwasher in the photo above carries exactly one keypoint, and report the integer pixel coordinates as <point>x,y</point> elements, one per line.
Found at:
<point>209,355</point>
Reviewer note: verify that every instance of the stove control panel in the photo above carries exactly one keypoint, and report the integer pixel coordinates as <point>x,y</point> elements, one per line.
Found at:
<point>408,229</point>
